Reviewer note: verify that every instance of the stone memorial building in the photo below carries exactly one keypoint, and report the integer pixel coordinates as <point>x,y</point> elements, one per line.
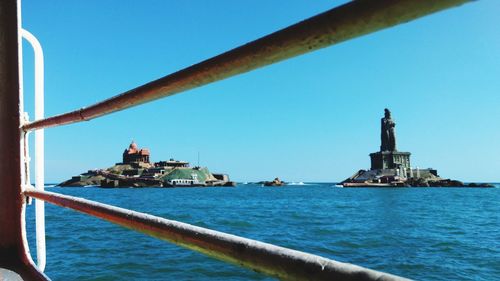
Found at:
<point>135,155</point>
<point>389,157</point>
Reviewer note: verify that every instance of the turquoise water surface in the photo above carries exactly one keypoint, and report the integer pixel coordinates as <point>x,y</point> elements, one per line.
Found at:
<point>419,233</point>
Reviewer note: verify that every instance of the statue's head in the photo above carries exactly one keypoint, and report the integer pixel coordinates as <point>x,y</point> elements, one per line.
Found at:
<point>387,113</point>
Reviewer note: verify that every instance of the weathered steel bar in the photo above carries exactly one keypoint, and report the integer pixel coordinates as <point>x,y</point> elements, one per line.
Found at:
<point>14,258</point>
<point>279,262</point>
<point>345,22</point>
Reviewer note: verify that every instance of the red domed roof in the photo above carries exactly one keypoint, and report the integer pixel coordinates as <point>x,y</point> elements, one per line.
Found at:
<point>133,145</point>
<point>132,148</point>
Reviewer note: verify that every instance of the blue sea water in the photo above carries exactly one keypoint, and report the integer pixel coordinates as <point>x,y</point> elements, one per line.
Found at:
<point>419,233</point>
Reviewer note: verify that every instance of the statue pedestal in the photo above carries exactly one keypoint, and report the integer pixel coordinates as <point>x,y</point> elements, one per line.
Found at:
<point>390,160</point>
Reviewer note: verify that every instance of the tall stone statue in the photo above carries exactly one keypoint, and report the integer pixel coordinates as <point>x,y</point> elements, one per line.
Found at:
<point>388,133</point>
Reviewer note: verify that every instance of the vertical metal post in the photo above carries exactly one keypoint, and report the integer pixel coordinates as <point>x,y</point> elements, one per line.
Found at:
<point>10,135</point>
<point>13,247</point>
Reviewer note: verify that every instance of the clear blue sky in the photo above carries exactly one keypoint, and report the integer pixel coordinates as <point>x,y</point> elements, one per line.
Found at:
<point>311,118</point>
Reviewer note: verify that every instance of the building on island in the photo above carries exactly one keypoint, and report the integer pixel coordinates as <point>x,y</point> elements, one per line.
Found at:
<point>390,167</point>
<point>136,170</point>
<point>172,163</point>
<point>134,155</point>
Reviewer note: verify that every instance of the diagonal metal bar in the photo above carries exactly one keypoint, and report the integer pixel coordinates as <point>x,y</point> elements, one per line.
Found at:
<point>339,24</point>
<point>269,259</point>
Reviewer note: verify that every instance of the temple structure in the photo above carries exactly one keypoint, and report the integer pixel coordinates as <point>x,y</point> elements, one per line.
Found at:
<point>135,155</point>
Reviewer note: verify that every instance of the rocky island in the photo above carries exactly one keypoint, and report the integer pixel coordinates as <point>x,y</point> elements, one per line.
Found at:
<point>391,168</point>
<point>275,182</point>
<point>136,170</point>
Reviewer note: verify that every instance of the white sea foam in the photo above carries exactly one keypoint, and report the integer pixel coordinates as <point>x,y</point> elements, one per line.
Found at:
<point>298,183</point>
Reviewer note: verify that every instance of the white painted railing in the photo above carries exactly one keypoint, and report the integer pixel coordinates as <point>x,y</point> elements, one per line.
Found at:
<point>39,148</point>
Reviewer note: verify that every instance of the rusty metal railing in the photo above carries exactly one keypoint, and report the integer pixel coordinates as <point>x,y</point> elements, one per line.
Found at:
<point>272,260</point>
<point>345,22</point>
<point>15,260</point>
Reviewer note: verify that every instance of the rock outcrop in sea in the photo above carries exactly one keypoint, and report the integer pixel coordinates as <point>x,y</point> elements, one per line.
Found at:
<point>275,182</point>
<point>390,167</point>
<point>136,170</point>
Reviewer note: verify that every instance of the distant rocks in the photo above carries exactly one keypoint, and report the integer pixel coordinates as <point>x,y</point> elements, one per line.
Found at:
<point>392,178</point>
<point>90,178</point>
<point>419,182</point>
<point>275,182</point>
<point>480,185</point>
